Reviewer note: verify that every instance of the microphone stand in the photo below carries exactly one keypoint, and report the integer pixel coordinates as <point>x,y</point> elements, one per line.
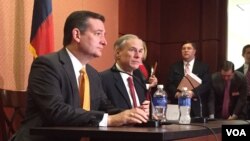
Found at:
<point>199,119</point>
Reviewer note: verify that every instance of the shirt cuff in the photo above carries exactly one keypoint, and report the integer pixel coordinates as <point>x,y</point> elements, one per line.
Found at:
<point>104,121</point>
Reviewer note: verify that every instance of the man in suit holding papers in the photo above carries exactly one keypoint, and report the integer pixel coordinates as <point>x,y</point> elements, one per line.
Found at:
<point>191,66</point>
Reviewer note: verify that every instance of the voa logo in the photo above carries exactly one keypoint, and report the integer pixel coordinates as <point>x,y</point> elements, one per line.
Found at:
<point>236,132</point>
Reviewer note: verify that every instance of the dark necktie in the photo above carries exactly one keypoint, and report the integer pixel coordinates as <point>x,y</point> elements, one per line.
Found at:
<point>132,90</point>
<point>84,89</point>
<point>226,100</point>
<point>248,80</point>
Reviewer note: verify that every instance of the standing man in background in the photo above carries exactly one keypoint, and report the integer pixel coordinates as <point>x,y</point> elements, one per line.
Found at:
<point>245,69</point>
<point>55,91</point>
<point>189,64</point>
<point>129,51</point>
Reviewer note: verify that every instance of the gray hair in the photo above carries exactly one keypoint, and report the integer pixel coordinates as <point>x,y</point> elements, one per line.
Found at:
<point>119,43</point>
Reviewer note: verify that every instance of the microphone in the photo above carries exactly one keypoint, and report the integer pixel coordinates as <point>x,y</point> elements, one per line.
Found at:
<point>199,119</point>
<point>151,122</point>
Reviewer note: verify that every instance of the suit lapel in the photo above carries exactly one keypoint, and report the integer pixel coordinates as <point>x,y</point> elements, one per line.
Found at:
<point>241,69</point>
<point>140,91</point>
<point>92,84</point>
<point>121,87</point>
<point>140,85</point>
<point>195,67</point>
<point>68,68</point>
<point>180,69</point>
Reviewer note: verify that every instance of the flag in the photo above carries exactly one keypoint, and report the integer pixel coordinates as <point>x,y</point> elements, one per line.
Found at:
<point>42,36</point>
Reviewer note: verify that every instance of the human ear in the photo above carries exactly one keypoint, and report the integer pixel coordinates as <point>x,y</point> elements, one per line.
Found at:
<point>76,34</point>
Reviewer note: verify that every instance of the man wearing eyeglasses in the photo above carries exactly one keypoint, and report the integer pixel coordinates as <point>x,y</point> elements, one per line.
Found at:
<point>228,95</point>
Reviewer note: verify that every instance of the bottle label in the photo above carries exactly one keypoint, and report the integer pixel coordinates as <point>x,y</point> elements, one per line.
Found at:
<point>160,101</point>
<point>184,101</point>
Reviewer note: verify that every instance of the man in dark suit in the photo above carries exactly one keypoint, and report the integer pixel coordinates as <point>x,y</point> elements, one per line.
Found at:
<point>53,94</point>
<point>129,51</point>
<point>177,72</point>
<point>246,56</point>
<point>244,69</point>
<point>237,93</point>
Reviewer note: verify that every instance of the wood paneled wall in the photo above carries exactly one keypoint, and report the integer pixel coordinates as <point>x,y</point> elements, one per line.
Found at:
<point>166,24</point>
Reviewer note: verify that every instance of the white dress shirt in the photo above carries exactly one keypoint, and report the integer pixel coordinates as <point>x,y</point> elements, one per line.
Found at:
<point>125,81</point>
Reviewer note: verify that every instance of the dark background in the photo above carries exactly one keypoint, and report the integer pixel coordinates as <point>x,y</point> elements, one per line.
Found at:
<point>165,24</point>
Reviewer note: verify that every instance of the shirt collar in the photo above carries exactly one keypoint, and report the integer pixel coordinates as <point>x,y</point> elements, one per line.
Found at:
<point>191,63</point>
<point>120,69</point>
<point>77,65</point>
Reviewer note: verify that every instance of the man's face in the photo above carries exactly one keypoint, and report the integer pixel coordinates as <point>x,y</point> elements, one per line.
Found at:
<point>188,52</point>
<point>93,40</point>
<point>246,56</point>
<point>130,56</point>
<point>227,75</point>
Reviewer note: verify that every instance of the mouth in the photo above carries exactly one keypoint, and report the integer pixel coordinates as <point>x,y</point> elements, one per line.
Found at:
<point>137,63</point>
<point>100,48</point>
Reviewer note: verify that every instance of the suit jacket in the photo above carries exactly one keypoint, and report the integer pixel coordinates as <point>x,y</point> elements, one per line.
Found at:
<point>238,95</point>
<point>115,88</point>
<point>176,73</point>
<point>241,69</point>
<point>53,97</point>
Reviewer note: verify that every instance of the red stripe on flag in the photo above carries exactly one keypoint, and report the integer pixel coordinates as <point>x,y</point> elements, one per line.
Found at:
<point>43,42</point>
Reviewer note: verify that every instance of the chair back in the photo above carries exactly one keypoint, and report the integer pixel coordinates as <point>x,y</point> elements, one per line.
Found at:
<point>12,107</point>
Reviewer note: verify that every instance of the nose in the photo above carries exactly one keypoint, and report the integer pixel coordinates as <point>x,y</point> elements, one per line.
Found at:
<point>104,41</point>
<point>138,54</point>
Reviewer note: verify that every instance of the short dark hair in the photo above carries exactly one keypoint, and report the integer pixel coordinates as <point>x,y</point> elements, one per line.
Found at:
<point>189,42</point>
<point>78,19</point>
<point>227,65</point>
<point>245,48</point>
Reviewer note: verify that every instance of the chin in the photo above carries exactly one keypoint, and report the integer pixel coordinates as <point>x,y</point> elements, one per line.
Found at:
<point>136,67</point>
<point>97,55</point>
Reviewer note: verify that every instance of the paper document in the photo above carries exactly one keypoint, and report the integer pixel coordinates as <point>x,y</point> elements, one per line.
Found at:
<point>172,112</point>
<point>190,81</point>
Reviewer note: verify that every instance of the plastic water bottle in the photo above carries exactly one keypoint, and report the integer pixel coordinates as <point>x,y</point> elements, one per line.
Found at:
<point>185,107</point>
<point>160,103</point>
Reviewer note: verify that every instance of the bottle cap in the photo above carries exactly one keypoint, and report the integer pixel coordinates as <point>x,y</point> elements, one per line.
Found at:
<point>160,86</point>
<point>184,88</point>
